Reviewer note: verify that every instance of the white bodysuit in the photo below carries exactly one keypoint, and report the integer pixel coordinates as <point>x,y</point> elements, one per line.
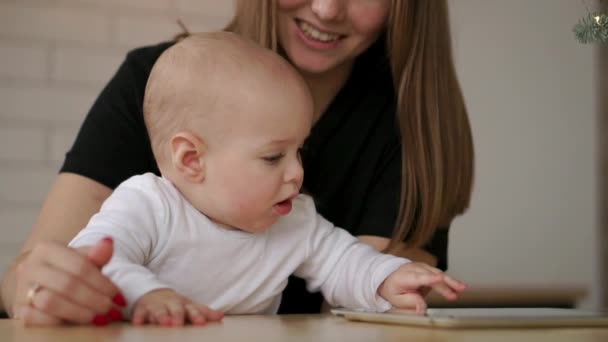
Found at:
<point>162,241</point>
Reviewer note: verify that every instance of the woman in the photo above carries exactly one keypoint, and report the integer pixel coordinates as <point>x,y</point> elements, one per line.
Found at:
<point>366,61</point>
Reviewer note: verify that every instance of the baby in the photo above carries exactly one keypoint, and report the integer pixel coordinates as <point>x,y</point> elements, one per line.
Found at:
<point>225,225</point>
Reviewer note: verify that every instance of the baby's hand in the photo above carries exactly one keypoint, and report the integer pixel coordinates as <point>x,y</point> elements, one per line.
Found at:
<point>409,284</point>
<point>166,307</point>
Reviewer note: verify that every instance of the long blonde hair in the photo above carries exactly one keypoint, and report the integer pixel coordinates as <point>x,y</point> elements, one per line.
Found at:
<point>436,142</point>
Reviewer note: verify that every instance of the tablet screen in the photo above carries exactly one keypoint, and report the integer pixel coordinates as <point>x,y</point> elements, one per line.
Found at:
<point>488,313</point>
<point>483,317</point>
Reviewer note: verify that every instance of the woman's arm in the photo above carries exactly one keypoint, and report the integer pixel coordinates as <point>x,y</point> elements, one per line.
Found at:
<point>111,146</point>
<point>71,202</point>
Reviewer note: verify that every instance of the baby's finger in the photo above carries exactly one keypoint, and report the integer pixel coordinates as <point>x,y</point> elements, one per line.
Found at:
<point>160,315</point>
<point>424,291</point>
<point>140,314</point>
<point>444,290</point>
<point>456,285</point>
<point>412,301</point>
<point>210,314</point>
<point>176,311</point>
<point>431,269</point>
<point>415,280</point>
<point>194,315</point>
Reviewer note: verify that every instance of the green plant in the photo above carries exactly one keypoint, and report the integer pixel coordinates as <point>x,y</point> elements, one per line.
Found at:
<point>592,28</point>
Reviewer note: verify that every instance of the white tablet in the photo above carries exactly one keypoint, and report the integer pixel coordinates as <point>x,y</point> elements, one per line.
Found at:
<point>484,317</point>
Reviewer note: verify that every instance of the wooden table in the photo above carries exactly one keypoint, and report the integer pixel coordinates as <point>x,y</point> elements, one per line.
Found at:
<point>288,328</point>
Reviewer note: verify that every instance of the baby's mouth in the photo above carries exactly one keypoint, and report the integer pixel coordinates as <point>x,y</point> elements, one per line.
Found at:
<point>284,207</point>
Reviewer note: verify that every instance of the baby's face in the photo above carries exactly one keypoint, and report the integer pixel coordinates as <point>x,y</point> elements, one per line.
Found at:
<point>254,169</point>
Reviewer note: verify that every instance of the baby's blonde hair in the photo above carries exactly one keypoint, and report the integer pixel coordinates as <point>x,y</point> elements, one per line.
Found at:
<point>189,80</point>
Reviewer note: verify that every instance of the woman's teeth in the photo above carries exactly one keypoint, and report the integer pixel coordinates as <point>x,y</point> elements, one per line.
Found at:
<point>315,34</point>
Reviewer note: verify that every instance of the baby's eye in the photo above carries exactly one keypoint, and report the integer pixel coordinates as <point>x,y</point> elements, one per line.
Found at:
<point>274,158</point>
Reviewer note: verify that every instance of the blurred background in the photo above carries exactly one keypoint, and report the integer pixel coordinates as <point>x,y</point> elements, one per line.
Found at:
<point>534,95</point>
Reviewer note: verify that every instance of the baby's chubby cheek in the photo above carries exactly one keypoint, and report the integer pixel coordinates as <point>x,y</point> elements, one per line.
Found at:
<point>249,216</point>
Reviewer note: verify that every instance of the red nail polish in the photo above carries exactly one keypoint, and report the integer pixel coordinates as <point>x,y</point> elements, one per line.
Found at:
<point>100,320</point>
<point>119,300</point>
<point>114,314</point>
<point>108,239</point>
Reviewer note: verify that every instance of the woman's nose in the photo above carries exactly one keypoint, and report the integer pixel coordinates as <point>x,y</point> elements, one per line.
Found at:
<point>328,10</point>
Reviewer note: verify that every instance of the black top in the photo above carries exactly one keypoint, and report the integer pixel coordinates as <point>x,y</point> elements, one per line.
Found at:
<point>351,159</point>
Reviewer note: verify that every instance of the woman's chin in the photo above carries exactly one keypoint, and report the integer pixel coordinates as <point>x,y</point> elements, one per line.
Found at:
<point>313,65</point>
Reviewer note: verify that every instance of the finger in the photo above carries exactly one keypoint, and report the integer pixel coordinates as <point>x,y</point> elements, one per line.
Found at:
<point>31,316</point>
<point>410,301</point>
<point>210,314</point>
<point>194,314</point>
<point>176,311</point>
<point>140,314</point>
<point>114,315</point>
<point>415,280</point>
<point>424,291</point>
<point>53,303</point>
<point>73,262</point>
<point>444,290</point>
<point>101,253</point>
<point>456,285</point>
<point>430,268</point>
<point>420,267</point>
<point>70,287</point>
<point>160,316</point>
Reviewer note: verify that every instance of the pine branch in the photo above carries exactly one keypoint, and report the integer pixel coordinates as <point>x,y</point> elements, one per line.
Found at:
<point>592,28</point>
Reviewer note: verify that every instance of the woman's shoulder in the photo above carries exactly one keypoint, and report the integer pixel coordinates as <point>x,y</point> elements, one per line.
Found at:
<point>144,57</point>
<point>149,53</point>
<point>128,84</point>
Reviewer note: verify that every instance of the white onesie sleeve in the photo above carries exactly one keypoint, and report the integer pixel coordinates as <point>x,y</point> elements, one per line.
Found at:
<point>347,271</point>
<point>131,216</point>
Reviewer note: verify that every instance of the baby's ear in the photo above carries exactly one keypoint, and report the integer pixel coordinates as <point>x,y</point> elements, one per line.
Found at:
<point>187,152</point>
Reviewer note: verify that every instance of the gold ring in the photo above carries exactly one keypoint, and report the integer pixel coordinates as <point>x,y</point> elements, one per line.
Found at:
<point>31,293</point>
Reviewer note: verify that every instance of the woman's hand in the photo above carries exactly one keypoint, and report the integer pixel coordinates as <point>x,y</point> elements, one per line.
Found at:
<point>168,308</point>
<point>56,284</point>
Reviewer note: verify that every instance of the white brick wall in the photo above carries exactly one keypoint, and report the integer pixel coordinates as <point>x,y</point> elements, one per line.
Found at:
<point>24,60</point>
<point>54,23</point>
<point>55,56</point>
<point>92,65</point>
<point>30,139</point>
